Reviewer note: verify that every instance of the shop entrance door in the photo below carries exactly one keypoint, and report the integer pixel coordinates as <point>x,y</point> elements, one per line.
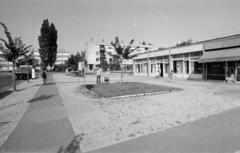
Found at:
<point>161,67</point>
<point>238,74</point>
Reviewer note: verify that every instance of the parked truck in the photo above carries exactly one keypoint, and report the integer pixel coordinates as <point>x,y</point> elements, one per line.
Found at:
<point>23,72</point>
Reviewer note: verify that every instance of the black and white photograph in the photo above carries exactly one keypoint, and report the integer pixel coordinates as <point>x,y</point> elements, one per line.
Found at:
<point>119,76</point>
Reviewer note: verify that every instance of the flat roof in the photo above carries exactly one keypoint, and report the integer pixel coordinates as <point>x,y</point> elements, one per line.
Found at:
<point>194,43</point>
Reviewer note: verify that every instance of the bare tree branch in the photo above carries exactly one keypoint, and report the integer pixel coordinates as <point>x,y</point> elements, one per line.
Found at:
<point>5,42</point>
<point>8,34</point>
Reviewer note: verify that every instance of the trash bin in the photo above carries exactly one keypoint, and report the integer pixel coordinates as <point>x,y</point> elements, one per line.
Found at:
<point>106,79</point>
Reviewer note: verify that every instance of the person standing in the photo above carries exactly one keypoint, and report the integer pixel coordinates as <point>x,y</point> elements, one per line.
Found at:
<point>99,71</point>
<point>44,76</point>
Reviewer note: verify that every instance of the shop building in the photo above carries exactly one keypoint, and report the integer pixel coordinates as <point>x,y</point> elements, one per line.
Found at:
<point>176,62</point>
<point>221,58</point>
<point>217,59</point>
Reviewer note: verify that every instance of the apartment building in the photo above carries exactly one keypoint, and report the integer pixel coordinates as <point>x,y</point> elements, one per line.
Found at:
<point>95,52</point>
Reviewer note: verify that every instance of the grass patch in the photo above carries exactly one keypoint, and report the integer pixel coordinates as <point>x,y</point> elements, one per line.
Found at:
<point>128,88</point>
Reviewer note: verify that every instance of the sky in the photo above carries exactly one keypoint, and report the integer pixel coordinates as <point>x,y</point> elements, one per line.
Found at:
<point>160,22</point>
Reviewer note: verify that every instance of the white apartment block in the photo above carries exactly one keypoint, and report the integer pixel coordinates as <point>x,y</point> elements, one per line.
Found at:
<point>94,53</point>
<point>62,56</point>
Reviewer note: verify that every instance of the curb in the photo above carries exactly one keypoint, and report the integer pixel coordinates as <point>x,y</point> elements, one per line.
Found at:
<point>133,95</point>
<point>142,94</point>
<point>10,87</point>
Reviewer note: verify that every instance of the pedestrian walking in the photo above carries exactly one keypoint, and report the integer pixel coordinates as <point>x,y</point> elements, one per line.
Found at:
<point>44,76</point>
<point>99,71</point>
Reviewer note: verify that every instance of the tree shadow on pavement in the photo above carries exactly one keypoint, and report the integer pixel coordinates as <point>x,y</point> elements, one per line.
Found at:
<point>54,83</point>
<point>73,146</point>
<point>5,93</point>
<point>89,86</point>
<point>63,82</point>
<point>10,105</point>
<point>39,98</point>
<point>3,123</point>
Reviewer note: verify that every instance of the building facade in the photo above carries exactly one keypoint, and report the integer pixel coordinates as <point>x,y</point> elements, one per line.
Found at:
<point>210,59</point>
<point>5,65</point>
<point>179,62</point>
<point>62,56</point>
<point>95,52</point>
<point>221,58</point>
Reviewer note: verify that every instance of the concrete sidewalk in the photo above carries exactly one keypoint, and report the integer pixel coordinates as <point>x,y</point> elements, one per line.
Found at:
<point>186,118</point>
<point>44,127</point>
<point>216,134</point>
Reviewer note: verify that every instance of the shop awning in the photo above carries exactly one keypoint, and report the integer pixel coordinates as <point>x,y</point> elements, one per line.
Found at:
<point>221,55</point>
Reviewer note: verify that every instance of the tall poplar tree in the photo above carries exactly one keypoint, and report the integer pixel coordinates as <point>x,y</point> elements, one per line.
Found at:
<point>48,44</point>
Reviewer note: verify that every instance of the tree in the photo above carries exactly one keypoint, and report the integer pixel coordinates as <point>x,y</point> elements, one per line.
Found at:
<point>13,50</point>
<point>28,59</point>
<point>48,44</point>
<point>184,43</point>
<point>73,60</point>
<point>103,62</point>
<point>161,48</point>
<point>122,52</point>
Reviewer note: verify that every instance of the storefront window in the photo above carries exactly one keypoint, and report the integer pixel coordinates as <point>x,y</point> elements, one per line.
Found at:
<point>216,71</point>
<point>198,68</point>
<point>231,68</point>
<point>238,71</point>
<point>186,67</point>
<point>166,68</point>
<point>137,68</point>
<point>177,66</point>
<point>153,68</point>
<point>144,68</point>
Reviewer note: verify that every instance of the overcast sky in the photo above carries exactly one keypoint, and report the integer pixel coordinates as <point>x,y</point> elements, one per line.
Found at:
<point>161,22</point>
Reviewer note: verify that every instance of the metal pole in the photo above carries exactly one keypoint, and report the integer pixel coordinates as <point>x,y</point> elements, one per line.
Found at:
<point>148,71</point>
<point>121,69</point>
<point>84,68</point>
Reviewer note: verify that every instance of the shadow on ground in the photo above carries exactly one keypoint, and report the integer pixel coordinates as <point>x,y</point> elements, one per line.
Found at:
<point>39,98</point>
<point>73,146</point>
<point>54,83</point>
<point>10,105</point>
<point>4,94</point>
<point>89,86</point>
<point>3,123</point>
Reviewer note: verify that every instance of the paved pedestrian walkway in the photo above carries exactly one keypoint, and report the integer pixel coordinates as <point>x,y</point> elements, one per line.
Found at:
<point>186,118</point>
<point>44,127</point>
<point>216,134</point>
